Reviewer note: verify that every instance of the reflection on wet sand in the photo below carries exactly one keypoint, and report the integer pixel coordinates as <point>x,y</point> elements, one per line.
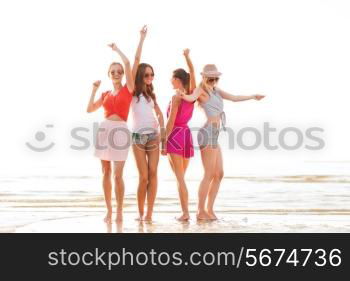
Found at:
<point>237,223</point>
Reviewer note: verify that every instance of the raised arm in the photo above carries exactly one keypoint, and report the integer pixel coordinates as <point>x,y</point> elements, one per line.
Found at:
<point>129,80</point>
<point>143,34</point>
<point>94,105</point>
<point>191,69</point>
<point>235,98</point>
<point>172,116</point>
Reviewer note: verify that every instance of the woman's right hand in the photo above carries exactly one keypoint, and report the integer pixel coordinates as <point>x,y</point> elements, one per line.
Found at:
<point>113,46</point>
<point>180,93</point>
<point>96,85</point>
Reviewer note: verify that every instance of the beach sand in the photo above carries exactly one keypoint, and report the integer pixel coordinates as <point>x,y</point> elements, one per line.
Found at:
<point>298,203</point>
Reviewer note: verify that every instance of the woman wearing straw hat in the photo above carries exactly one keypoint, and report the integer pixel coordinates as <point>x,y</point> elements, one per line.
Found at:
<point>211,99</point>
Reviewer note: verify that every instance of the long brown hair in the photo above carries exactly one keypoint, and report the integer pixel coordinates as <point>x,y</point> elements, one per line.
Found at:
<point>140,86</point>
<point>184,77</point>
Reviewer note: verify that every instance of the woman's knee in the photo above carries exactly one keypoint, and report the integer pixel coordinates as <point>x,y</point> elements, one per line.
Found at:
<point>152,173</point>
<point>143,178</point>
<point>218,176</point>
<point>118,178</point>
<point>180,178</point>
<point>209,175</point>
<point>106,171</point>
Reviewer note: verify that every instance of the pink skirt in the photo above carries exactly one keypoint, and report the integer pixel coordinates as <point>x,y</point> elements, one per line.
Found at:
<point>113,141</point>
<point>180,142</point>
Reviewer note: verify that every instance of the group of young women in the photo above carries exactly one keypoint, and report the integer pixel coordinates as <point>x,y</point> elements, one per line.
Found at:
<point>151,136</point>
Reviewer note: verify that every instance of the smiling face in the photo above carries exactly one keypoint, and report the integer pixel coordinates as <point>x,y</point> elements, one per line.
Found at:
<point>116,73</point>
<point>148,76</point>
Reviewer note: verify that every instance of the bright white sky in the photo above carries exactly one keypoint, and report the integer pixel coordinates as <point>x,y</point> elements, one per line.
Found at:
<point>296,52</point>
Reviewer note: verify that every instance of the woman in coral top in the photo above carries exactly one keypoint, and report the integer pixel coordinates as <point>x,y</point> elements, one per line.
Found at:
<point>113,137</point>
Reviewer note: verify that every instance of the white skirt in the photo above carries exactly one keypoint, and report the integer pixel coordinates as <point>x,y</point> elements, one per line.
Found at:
<point>113,140</point>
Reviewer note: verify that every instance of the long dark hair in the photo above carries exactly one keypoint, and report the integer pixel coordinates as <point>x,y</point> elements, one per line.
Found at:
<point>140,86</point>
<point>184,77</point>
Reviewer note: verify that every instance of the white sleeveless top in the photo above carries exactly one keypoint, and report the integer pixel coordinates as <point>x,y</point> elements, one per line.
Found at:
<point>144,119</point>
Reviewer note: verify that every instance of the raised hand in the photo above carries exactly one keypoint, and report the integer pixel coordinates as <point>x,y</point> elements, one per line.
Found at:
<point>186,52</point>
<point>96,84</point>
<point>113,46</point>
<point>258,97</point>
<point>143,31</point>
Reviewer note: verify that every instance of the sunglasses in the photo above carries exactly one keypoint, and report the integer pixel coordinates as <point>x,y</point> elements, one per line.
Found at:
<point>211,80</point>
<point>147,75</point>
<point>118,72</point>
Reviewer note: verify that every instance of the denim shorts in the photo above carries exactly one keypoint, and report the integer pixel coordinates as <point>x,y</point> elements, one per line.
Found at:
<point>208,135</point>
<point>143,138</point>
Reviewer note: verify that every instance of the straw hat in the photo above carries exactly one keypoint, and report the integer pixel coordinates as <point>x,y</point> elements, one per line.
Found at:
<point>210,70</point>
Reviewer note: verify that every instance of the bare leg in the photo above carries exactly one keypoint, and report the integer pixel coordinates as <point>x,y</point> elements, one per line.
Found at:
<point>177,164</point>
<point>209,156</point>
<point>215,184</point>
<point>185,162</point>
<point>153,160</point>
<point>119,188</point>
<point>142,166</point>
<point>107,189</point>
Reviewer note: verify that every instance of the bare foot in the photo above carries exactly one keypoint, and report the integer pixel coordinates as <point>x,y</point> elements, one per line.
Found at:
<point>212,215</point>
<point>184,217</point>
<point>108,218</point>
<point>139,218</point>
<point>147,218</point>
<point>203,215</point>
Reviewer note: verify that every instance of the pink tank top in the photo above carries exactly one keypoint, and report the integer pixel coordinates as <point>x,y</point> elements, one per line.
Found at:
<point>184,113</point>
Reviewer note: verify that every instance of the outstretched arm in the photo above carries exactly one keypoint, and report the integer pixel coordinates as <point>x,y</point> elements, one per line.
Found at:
<point>94,105</point>
<point>191,69</point>
<point>235,98</point>
<point>129,80</point>
<point>193,97</point>
<point>143,34</point>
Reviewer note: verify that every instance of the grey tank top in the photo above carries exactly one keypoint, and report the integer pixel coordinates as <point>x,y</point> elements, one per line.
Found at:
<point>215,106</point>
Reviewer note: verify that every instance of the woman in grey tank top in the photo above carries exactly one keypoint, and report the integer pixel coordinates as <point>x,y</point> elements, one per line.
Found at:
<point>211,100</point>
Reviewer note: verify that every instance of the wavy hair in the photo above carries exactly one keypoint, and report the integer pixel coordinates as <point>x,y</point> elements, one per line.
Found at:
<point>140,86</point>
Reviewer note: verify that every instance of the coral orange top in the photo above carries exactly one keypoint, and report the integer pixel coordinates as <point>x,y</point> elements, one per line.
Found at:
<point>117,104</point>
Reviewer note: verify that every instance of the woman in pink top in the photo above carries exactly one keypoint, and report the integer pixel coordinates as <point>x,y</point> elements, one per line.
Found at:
<point>179,145</point>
